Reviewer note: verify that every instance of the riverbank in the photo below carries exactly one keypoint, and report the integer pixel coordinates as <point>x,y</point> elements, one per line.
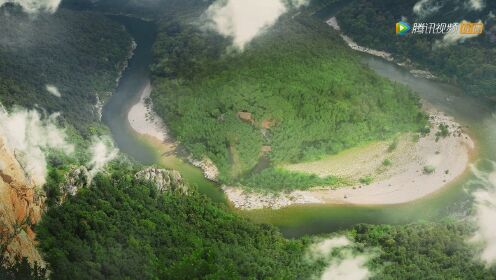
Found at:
<point>145,122</point>
<point>143,119</point>
<point>417,73</point>
<point>415,169</point>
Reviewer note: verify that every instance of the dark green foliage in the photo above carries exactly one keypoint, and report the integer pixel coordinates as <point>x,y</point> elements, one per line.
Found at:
<point>79,53</point>
<point>423,251</point>
<point>120,229</point>
<point>443,131</point>
<point>299,75</point>
<point>150,9</point>
<point>21,269</point>
<point>471,64</point>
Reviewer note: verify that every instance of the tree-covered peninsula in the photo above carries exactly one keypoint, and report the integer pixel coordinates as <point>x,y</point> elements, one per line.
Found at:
<point>294,94</point>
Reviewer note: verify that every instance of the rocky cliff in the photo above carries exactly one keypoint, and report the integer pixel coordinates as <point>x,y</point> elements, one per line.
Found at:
<point>21,204</point>
<point>164,180</point>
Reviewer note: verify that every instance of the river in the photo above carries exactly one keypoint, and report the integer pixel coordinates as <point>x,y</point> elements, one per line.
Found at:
<point>453,201</point>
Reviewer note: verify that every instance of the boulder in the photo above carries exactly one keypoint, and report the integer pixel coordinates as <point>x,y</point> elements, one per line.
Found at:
<point>163,179</point>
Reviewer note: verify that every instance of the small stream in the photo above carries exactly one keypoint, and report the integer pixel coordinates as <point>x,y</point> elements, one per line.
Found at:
<point>454,201</point>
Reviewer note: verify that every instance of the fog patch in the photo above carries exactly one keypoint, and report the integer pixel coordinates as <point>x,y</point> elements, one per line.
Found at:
<point>342,261</point>
<point>476,5</point>
<point>485,212</point>
<point>102,151</point>
<point>30,136</point>
<point>424,8</point>
<point>243,20</point>
<point>35,6</point>
<point>452,38</point>
<point>53,90</point>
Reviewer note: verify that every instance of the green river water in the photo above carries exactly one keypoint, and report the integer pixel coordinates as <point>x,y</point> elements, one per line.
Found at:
<point>452,202</point>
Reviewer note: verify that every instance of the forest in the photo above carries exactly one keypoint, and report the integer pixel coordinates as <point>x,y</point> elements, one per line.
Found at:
<point>121,228</point>
<point>79,53</point>
<point>294,94</point>
<point>124,229</point>
<point>470,64</point>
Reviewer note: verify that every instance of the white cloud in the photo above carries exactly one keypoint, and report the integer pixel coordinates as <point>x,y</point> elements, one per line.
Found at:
<point>243,20</point>
<point>53,90</point>
<point>102,151</point>
<point>349,267</point>
<point>342,262</point>
<point>35,6</point>
<point>452,38</point>
<point>476,5</point>
<point>323,248</point>
<point>29,136</point>
<point>485,205</point>
<point>424,8</point>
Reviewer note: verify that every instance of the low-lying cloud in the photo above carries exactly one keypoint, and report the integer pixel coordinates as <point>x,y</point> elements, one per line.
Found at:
<point>102,151</point>
<point>53,90</point>
<point>243,20</point>
<point>342,261</point>
<point>485,206</point>
<point>35,6</point>
<point>30,137</point>
<point>476,5</point>
<point>424,8</point>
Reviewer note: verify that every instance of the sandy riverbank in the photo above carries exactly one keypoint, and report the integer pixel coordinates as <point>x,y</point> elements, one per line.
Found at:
<point>144,121</point>
<point>404,180</point>
<point>142,118</point>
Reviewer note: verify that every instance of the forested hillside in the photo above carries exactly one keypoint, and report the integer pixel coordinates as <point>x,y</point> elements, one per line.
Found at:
<point>296,93</point>
<point>471,64</point>
<point>423,251</point>
<point>123,229</point>
<point>78,55</point>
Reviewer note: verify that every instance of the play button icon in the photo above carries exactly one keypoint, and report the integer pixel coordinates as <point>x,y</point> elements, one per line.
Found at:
<point>402,28</point>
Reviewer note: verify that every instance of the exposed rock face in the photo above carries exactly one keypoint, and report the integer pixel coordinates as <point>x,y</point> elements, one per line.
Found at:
<point>75,180</point>
<point>210,170</point>
<point>164,180</point>
<point>21,206</point>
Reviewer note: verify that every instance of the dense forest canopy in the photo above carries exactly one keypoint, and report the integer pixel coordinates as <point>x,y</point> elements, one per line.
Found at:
<point>121,228</point>
<point>297,90</point>
<point>296,93</point>
<point>470,63</point>
<point>78,54</point>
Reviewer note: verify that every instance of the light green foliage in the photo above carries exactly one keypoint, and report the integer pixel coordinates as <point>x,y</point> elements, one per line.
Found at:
<point>367,180</point>
<point>429,169</point>
<point>274,179</point>
<point>299,75</point>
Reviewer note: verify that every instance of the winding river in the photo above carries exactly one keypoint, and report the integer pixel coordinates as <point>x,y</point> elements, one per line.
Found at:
<point>453,201</point>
